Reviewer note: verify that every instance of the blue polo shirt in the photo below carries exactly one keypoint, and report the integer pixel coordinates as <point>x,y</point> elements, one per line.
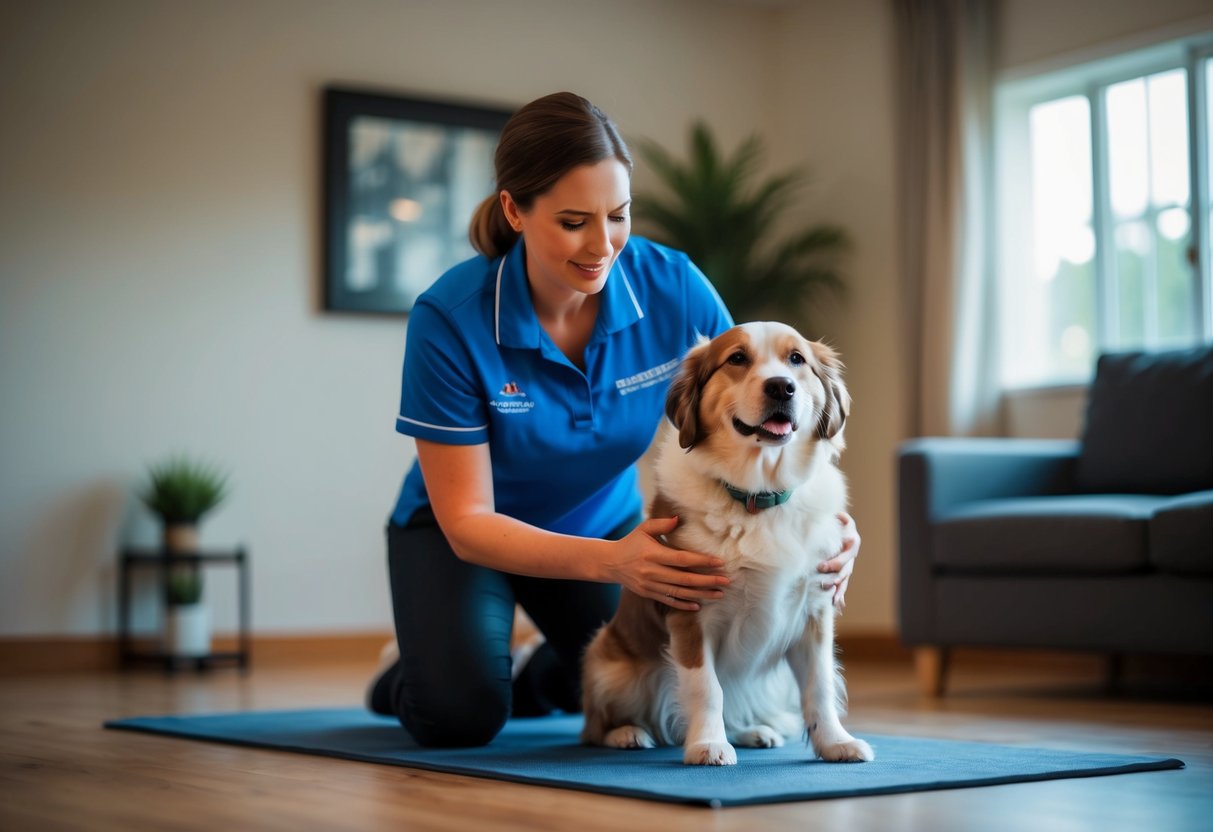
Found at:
<point>478,367</point>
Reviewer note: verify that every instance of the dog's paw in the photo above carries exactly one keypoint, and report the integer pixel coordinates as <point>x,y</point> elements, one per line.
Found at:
<point>848,750</point>
<point>628,736</point>
<point>762,736</point>
<point>710,754</point>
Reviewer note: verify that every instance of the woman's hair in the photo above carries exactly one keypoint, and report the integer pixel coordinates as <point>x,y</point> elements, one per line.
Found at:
<point>539,144</point>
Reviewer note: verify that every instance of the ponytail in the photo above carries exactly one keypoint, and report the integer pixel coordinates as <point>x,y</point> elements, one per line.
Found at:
<point>489,232</point>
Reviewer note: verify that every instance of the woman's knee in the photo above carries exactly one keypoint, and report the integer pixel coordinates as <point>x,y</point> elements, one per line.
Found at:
<point>453,622</point>
<point>455,718</point>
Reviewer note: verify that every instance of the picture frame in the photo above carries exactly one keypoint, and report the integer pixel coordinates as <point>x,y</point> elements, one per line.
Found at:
<point>402,177</point>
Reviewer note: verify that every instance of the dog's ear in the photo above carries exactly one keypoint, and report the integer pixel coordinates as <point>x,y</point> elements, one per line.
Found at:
<point>682,401</point>
<point>828,368</point>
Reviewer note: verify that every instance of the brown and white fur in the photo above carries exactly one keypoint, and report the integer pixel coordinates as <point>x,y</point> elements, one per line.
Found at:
<point>761,408</point>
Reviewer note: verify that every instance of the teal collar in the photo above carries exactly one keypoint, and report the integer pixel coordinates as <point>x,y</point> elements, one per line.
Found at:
<point>755,502</point>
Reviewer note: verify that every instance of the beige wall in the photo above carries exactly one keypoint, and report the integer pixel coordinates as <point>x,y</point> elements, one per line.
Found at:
<point>1033,32</point>
<point>159,256</point>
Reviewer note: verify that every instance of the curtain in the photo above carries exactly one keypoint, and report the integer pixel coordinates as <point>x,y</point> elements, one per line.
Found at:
<point>944,58</point>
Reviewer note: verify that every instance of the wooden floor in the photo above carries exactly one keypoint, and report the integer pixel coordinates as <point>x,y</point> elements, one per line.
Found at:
<point>61,770</point>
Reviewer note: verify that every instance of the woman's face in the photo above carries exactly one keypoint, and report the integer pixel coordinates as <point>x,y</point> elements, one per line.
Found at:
<point>575,231</point>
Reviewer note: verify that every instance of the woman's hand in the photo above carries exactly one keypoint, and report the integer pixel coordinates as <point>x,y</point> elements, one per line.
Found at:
<point>649,568</point>
<point>843,563</point>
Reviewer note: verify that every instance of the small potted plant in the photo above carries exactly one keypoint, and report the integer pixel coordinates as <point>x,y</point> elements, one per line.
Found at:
<point>187,627</point>
<point>180,491</point>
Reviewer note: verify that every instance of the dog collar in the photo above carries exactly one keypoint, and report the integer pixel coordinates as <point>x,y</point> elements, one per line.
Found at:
<point>754,502</point>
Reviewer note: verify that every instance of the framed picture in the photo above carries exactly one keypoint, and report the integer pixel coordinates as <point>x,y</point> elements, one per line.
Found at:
<point>402,177</point>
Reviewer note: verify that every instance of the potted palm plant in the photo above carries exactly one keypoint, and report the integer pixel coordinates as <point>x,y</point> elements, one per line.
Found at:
<point>181,491</point>
<point>725,216</point>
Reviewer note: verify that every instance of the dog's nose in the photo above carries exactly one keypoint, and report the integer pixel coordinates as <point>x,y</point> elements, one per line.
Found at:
<point>780,388</point>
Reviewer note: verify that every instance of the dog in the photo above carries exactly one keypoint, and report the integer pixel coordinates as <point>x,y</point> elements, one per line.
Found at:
<point>747,462</point>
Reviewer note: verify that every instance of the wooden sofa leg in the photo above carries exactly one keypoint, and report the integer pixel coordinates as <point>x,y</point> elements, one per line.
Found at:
<point>931,666</point>
<point>1114,672</point>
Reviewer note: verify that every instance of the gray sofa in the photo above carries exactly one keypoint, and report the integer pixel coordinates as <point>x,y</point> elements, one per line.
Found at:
<point>1102,544</point>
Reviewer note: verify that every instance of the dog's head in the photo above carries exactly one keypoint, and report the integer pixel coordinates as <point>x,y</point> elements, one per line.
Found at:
<point>759,384</point>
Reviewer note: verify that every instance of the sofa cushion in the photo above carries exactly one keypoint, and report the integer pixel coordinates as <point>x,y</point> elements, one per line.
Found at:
<point>1070,534</point>
<point>1181,535</point>
<point>1148,424</point>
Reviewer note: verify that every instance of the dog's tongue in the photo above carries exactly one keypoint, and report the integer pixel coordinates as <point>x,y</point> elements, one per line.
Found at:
<point>779,427</point>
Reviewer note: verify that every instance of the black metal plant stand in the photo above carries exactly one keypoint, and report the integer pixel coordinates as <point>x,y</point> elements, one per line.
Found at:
<point>133,560</point>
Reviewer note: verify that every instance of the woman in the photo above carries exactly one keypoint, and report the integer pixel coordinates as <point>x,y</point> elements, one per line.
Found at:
<point>534,378</point>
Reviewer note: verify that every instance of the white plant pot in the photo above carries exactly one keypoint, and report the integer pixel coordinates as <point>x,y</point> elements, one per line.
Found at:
<point>188,630</point>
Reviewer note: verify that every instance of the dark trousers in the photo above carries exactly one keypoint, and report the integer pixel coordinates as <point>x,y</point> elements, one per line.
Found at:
<point>452,686</point>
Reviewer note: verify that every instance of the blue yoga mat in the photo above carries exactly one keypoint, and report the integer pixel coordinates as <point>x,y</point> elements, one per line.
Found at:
<point>546,751</point>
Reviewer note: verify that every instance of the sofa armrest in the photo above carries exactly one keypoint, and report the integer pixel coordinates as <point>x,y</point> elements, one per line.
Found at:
<point>950,471</point>
<point>937,474</point>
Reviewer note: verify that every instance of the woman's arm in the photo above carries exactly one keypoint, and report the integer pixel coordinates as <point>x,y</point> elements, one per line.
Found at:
<point>459,481</point>
<point>844,562</point>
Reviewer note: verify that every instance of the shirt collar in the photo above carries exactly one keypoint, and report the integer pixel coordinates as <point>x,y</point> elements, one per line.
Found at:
<point>515,322</point>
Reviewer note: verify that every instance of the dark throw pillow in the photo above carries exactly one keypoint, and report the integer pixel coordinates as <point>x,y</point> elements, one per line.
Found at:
<point>1149,427</point>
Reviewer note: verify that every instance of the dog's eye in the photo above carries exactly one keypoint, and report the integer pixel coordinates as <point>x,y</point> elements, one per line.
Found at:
<point>795,359</point>
<point>738,358</point>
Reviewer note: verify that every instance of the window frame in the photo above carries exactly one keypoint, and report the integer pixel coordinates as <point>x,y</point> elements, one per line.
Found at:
<point>1202,174</point>
<point>1015,94</point>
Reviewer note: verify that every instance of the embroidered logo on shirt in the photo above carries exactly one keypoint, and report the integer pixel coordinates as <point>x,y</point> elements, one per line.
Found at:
<point>511,400</point>
<point>647,378</point>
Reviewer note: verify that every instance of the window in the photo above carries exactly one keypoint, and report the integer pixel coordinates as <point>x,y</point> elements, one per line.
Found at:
<point>1103,183</point>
